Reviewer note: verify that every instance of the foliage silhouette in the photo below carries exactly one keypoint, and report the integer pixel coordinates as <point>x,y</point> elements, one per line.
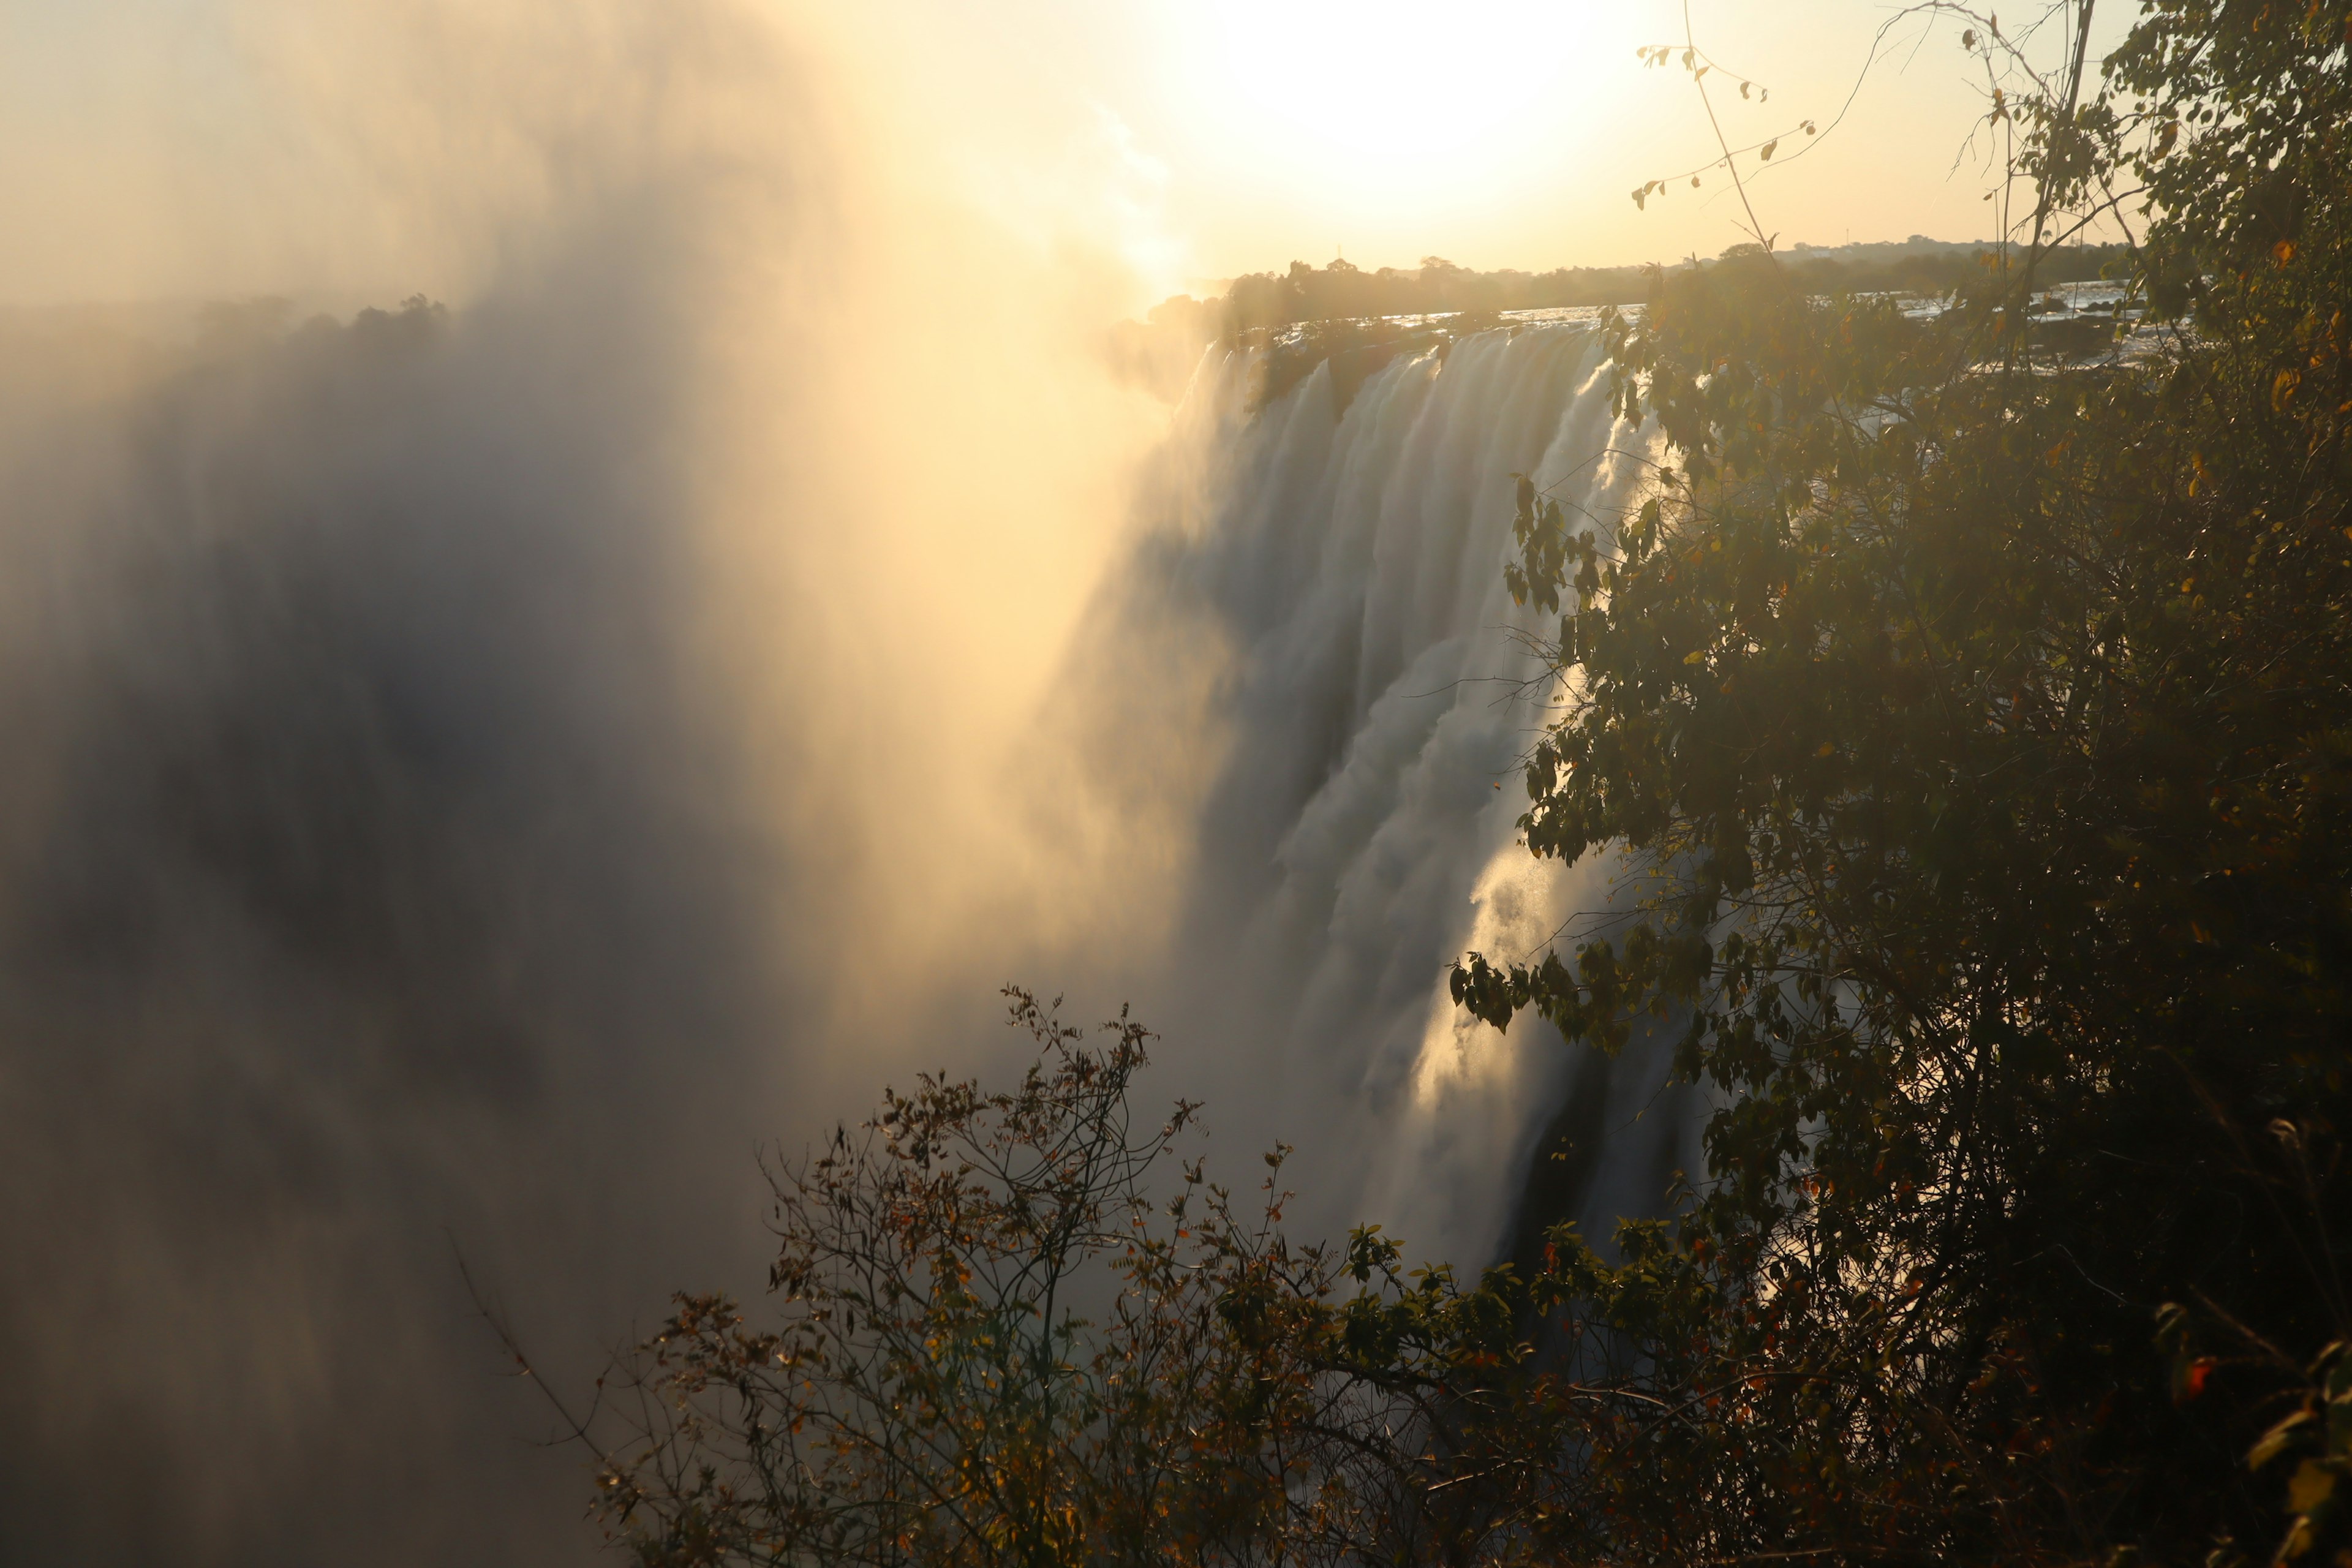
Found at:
<point>925,1388</point>
<point>1978,711</point>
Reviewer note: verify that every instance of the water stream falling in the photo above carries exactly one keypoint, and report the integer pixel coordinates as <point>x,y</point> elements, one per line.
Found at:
<point>1346,552</point>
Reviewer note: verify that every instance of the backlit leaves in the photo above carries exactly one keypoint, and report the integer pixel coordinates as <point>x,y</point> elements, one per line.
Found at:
<point>1973,718</point>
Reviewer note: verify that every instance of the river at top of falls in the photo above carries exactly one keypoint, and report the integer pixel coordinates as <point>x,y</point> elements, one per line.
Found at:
<point>1355,829</point>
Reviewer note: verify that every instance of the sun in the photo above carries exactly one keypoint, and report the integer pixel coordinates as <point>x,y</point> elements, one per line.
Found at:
<point>1384,91</point>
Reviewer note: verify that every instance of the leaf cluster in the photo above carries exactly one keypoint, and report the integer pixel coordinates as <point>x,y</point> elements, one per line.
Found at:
<point>988,1341</point>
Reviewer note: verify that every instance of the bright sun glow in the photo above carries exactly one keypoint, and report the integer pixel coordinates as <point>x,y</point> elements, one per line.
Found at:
<point>1369,90</point>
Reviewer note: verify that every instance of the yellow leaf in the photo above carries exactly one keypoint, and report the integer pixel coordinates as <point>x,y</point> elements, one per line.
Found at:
<point>1694,657</point>
<point>2283,389</point>
<point>2312,1484</point>
<point>1828,748</point>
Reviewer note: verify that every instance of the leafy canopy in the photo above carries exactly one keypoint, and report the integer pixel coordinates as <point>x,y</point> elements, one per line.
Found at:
<point>1975,699</point>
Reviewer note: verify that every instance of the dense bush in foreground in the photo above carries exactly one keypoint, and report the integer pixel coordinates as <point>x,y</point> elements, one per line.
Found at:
<point>991,1343</point>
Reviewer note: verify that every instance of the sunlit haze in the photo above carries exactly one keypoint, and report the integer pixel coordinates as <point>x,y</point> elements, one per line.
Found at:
<point>149,141</point>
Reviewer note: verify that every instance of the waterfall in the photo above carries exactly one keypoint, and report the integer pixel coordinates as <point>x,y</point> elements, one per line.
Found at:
<point>1356,830</point>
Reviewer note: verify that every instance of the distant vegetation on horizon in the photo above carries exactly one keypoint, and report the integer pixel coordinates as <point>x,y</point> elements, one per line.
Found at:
<point>1341,290</point>
<point>1160,351</point>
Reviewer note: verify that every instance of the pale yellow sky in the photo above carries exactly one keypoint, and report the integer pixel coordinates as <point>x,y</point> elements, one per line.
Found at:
<point>1495,132</point>
<point>223,146</point>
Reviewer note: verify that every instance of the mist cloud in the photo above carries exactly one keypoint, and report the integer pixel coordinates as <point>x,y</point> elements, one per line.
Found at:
<point>369,888</point>
<point>471,780</point>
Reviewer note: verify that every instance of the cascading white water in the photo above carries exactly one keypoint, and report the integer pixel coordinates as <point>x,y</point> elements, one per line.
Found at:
<point>1348,555</point>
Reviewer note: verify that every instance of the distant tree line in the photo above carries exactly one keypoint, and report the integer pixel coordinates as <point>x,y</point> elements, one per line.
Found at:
<point>1340,291</point>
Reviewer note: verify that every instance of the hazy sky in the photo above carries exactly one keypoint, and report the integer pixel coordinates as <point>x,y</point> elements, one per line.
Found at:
<point>1498,132</point>
<point>182,145</point>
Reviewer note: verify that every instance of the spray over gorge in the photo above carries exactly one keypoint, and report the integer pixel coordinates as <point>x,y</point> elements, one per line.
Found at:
<point>454,745</point>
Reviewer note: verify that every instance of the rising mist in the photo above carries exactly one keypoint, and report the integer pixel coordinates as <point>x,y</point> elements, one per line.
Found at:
<point>477,768</point>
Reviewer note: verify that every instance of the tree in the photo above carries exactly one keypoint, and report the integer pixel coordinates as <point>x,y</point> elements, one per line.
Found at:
<point>1978,708</point>
<point>987,1342</point>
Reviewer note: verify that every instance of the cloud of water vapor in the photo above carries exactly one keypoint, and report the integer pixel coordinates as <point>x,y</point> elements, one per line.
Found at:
<point>476,771</point>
